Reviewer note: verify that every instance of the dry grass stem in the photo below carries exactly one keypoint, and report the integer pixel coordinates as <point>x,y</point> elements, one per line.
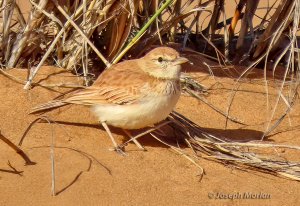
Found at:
<point>249,155</point>
<point>17,149</point>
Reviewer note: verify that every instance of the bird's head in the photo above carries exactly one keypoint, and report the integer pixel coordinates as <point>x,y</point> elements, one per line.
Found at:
<point>163,62</point>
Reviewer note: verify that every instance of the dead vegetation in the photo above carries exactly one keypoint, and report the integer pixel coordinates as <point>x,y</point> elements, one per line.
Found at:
<point>86,36</point>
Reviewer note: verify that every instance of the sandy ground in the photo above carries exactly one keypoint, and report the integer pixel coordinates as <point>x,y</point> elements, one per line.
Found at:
<point>87,173</point>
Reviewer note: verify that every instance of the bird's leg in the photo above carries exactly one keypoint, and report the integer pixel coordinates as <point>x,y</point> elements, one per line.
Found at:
<point>144,133</point>
<point>116,147</point>
<point>134,140</point>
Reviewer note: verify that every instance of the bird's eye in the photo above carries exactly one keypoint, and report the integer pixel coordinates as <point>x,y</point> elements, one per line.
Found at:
<point>160,59</point>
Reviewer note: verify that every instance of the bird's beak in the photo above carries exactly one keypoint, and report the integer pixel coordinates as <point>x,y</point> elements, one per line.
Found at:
<point>180,60</point>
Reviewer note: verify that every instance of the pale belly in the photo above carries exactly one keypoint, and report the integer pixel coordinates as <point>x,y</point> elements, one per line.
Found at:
<point>137,116</point>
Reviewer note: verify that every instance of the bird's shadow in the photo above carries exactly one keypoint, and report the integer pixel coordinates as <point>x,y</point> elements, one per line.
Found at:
<point>170,137</point>
<point>145,140</point>
<point>236,135</point>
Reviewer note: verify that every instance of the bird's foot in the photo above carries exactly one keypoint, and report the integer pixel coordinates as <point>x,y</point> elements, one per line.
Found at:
<point>140,147</point>
<point>119,150</point>
<point>143,149</point>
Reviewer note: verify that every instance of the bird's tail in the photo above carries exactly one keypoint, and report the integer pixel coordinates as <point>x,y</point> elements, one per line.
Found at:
<point>48,106</point>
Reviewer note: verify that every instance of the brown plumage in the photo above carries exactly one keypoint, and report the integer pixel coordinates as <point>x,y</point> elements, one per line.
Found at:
<point>132,94</point>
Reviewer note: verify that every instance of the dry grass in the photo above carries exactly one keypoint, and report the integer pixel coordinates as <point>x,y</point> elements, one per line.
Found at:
<point>246,155</point>
<point>17,149</point>
<point>82,35</point>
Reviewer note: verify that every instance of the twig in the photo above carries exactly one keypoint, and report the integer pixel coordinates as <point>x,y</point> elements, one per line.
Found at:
<point>17,149</point>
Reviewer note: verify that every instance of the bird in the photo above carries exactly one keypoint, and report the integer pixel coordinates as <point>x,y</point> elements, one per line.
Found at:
<point>132,94</point>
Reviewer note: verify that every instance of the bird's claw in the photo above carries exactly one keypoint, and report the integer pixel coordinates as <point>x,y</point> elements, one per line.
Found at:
<point>119,150</point>
<point>143,149</point>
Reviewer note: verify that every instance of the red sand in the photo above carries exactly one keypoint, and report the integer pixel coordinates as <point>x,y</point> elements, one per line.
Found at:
<point>87,173</point>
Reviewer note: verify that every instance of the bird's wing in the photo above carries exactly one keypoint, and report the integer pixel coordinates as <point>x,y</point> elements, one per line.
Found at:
<point>117,85</point>
<point>103,95</point>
